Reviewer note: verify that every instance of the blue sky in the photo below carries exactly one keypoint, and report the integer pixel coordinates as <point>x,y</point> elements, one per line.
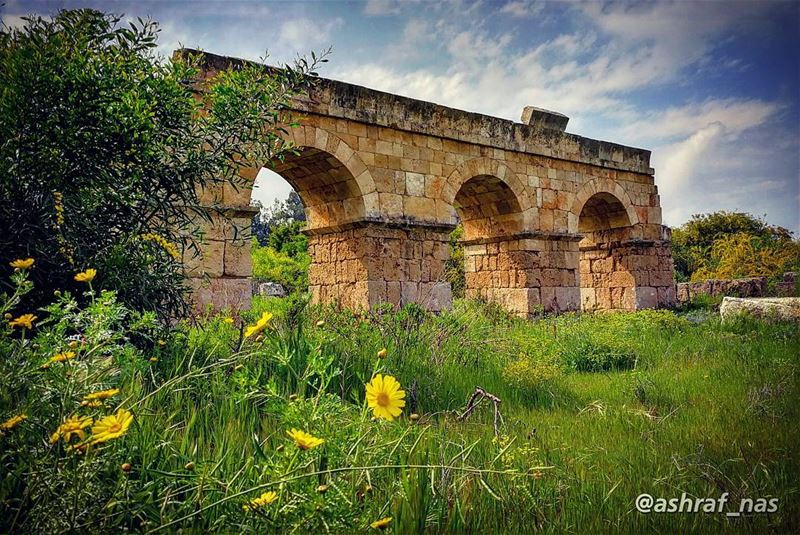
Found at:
<point>712,88</point>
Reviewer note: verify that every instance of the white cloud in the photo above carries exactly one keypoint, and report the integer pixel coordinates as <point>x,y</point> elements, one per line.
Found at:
<point>523,8</point>
<point>681,159</point>
<point>302,34</point>
<point>375,8</point>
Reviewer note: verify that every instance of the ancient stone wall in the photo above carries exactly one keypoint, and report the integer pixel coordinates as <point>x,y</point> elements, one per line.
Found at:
<point>370,264</point>
<point>385,178</point>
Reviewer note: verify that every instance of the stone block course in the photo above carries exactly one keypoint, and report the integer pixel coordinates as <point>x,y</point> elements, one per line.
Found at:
<point>384,178</point>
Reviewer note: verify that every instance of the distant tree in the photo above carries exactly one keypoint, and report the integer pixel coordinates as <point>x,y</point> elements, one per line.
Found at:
<point>706,242</point>
<point>288,239</point>
<point>281,212</point>
<point>103,150</point>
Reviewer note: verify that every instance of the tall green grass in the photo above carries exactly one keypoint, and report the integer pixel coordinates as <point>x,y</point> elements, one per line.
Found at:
<point>595,410</point>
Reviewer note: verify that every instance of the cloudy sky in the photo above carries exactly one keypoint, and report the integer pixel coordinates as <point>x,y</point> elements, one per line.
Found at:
<point>711,87</point>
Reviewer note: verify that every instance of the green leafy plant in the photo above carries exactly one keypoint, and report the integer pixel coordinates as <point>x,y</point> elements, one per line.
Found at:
<point>112,159</point>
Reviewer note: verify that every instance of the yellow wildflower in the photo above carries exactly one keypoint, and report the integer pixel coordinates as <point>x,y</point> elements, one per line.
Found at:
<point>74,425</point>
<point>262,501</point>
<point>229,321</point>
<point>25,321</point>
<point>102,394</point>
<point>13,422</point>
<point>111,427</point>
<point>58,203</point>
<point>260,325</point>
<point>165,244</point>
<point>383,523</point>
<point>60,357</point>
<point>303,440</point>
<point>385,397</point>
<point>22,263</point>
<point>86,276</point>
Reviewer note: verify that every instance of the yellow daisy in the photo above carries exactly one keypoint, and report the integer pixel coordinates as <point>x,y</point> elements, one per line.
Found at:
<point>13,422</point>
<point>60,357</point>
<point>384,397</point>
<point>74,425</point>
<point>261,324</point>
<point>86,276</point>
<point>102,394</point>
<point>111,427</point>
<point>262,501</point>
<point>382,523</point>
<point>22,263</point>
<point>303,440</point>
<point>25,321</point>
<point>229,321</point>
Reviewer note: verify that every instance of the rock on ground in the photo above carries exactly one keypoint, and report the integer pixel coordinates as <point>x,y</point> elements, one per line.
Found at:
<point>271,289</point>
<point>778,308</point>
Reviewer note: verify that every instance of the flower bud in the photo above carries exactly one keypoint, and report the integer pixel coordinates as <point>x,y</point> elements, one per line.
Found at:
<point>126,467</point>
<point>321,323</point>
<point>189,466</point>
<point>382,353</point>
<point>414,417</point>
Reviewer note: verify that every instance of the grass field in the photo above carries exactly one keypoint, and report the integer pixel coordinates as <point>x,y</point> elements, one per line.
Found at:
<point>595,411</point>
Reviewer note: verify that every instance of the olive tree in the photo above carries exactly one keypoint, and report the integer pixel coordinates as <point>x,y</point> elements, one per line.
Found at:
<point>106,147</point>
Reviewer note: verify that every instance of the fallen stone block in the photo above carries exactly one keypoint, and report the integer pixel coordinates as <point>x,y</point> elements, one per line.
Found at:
<point>770,308</point>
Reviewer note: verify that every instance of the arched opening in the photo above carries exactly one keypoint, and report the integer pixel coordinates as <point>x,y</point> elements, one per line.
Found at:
<point>495,267</point>
<point>488,208</point>
<point>606,282</point>
<point>305,200</point>
<point>329,191</point>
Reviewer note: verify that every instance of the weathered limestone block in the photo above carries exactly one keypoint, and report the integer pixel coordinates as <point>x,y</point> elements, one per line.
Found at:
<point>374,263</point>
<point>747,287</point>
<point>269,289</point>
<point>770,308</point>
<point>232,294</point>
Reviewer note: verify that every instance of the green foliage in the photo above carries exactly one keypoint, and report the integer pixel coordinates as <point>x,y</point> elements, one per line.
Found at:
<point>744,255</point>
<point>693,245</point>
<point>286,238</point>
<point>454,266</point>
<point>291,271</point>
<point>104,152</point>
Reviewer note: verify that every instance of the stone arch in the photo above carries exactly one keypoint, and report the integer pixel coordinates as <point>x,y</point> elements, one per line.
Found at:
<point>606,221</point>
<point>333,182</point>
<point>490,196</point>
<point>598,186</point>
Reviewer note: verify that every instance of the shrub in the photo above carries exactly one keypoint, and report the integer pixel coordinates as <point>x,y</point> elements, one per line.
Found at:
<point>105,153</point>
<point>527,373</point>
<point>693,246</point>
<point>275,266</point>
<point>597,352</point>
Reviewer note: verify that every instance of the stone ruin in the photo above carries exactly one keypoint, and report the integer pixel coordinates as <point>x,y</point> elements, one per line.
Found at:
<point>552,221</point>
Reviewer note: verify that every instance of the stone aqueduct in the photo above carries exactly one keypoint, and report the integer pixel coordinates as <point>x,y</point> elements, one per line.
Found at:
<point>551,220</point>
